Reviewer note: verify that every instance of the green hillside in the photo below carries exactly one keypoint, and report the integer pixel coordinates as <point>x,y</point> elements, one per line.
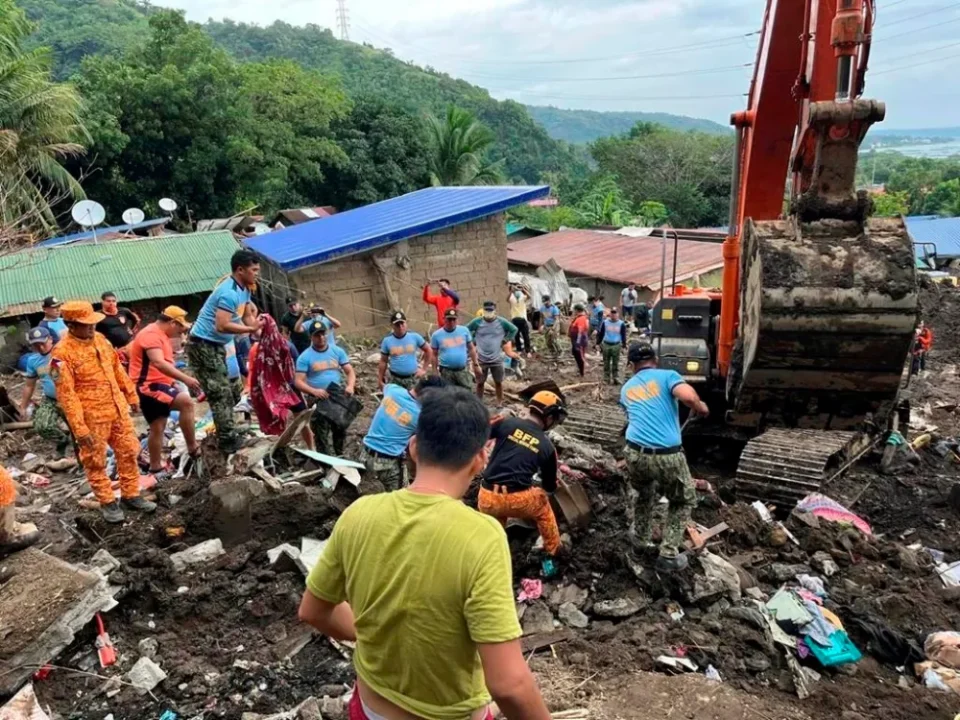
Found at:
<point>584,126</point>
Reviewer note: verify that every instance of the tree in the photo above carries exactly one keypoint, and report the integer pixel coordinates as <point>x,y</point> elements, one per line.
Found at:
<point>891,204</point>
<point>604,204</point>
<point>40,128</point>
<point>458,150</point>
<point>944,199</point>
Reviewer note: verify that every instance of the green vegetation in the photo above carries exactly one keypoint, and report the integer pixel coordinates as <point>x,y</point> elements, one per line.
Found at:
<point>40,127</point>
<point>913,186</point>
<point>458,150</point>
<point>586,126</point>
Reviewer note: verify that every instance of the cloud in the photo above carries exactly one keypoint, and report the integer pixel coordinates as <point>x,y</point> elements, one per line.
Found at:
<point>554,51</point>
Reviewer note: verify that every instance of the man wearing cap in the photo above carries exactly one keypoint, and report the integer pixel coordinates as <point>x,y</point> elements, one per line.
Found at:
<point>490,333</point>
<point>48,419</point>
<point>317,314</point>
<point>612,338</point>
<point>318,367</point>
<point>656,464</point>
<point>550,313</point>
<point>523,451</point>
<point>226,314</point>
<point>398,353</point>
<point>120,323</point>
<point>154,375</point>
<point>52,320</point>
<point>96,396</point>
<point>452,345</point>
<point>289,320</point>
<point>394,423</point>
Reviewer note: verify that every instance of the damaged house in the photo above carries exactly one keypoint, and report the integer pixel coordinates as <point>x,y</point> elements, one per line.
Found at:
<point>363,263</point>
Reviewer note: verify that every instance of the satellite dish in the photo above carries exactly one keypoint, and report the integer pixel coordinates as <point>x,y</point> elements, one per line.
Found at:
<point>88,213</point>
<point>167,205</point>
<point>132,216</point>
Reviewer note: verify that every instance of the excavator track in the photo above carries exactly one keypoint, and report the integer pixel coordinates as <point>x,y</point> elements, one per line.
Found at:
<point>785,465</point>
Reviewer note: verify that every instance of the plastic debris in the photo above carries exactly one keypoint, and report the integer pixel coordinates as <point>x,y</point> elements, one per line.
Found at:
<point>712,675</point>
<point>717,568</point>
<point>676,663</point>
<point>530,590</point>
<point>548,567</point>
<point>943,648</point>
<point>825,508</point>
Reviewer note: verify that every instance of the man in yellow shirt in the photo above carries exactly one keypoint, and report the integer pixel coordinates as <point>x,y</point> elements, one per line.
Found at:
<point>436,627</point>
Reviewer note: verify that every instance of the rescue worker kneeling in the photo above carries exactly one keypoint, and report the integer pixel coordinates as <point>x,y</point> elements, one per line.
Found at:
<point>523,450</point>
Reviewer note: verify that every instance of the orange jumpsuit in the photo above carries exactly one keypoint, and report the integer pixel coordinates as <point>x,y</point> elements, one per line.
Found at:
<point>8,491</point>
<point>95,394</point>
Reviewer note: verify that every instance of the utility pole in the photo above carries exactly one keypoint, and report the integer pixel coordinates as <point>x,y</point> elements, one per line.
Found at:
<point>343,22</point>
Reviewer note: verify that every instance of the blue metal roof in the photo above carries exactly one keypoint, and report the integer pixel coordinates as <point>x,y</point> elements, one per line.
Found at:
<point>943,233</point>
<point>88,234</point>
<point>387,222</point>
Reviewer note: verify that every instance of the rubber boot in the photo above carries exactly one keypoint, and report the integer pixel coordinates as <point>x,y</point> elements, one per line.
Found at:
<point>112,513</point>
<point>138,503</point>
<point>13,535</point>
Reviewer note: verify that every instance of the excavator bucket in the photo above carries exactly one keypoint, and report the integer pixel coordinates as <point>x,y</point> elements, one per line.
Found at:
<point>828,312</point>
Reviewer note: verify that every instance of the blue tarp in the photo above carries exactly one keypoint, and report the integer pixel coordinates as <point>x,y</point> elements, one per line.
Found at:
<point>387,222</point>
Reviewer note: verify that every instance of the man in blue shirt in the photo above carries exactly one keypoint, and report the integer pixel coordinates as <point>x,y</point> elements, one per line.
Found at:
<point>398,352</point>
<point>48,419</point>
<point>227,314</point>
<point>52,320</point>
<point>319,367</point>
<point>550,313</point>
<point>317,314</point>
<point>452,345</point>
<point>394,423</point>
<point>597,309</point>
<point>654,453</point>
<point>611,338</point>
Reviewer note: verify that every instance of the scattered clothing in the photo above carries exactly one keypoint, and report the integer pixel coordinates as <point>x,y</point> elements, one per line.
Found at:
<point>271,380</point>
<point>118,328</point>
<point>444,301</point>
<point>829,509</point>
<point>452,347</point>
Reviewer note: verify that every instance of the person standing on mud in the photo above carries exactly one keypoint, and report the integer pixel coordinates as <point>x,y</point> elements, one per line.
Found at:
<point>491,333</point>
<point>579,337</point>
<point>318,368</point>
<point>612,338</point>
<point>549,314</point>
<point>227,314</point>
<point>452,347</point>
<point>435,626</point>
<point>656,464</point>
<point>398,354</point>
<point>922,343</point>
<point>518,316</point>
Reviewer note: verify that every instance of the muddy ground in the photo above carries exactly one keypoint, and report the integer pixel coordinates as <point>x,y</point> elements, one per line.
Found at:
<point>227,636</point>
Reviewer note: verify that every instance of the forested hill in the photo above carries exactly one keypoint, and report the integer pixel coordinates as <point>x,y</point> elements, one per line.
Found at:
<point>77,28</point>
<point>584,126</point>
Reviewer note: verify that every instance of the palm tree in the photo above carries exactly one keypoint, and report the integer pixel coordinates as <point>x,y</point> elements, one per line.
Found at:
<point>459,145</point>
<point>40,127</point>
<point>604,204</point>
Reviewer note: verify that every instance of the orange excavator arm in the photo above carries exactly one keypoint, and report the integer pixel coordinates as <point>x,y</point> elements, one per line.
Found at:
<point>803,121</point>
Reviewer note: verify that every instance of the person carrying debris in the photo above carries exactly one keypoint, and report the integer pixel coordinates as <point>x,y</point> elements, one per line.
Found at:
<point>154,375</point>
<point>655,461</point>
<point>446,300</point>
<point>549,313</point>
<point>96,396</point>
<point>226,314</point>
<point>52,320</point>
<point>922,343</point>
<point>48,419</point>
<point>436,627</point>
<point>523,451</point>
<point>491,333</point>
<point>398,352</point>
<point>579,337</point>
<point>120,323</point>
<point>13,535</point>
<point>394,423</point>
<point>612,338</point>
<point>318,368</point>
<point>452,345</point>
<point>518,316</point>
<point>316,314</point>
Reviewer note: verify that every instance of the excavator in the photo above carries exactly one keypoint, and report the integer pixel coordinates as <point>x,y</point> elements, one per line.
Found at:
<point>804,347</point>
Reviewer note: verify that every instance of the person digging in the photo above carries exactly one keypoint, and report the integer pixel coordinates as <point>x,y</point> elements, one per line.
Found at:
<point>522,451</point>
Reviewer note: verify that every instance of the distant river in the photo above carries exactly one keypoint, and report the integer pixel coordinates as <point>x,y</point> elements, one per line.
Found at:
<point>928,150</point>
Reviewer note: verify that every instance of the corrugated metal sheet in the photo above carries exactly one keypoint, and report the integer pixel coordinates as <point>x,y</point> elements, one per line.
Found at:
<point>387,222</point>
<point>66,239</point>
<point>137,269</point>
<point>944,233</point>
<point>615,257</point>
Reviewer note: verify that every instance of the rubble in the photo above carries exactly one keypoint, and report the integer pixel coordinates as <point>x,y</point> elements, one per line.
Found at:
<point>570,614</point>
<point>537,619</point>
<point>619,608</point>
<point>201,553</point>
<point>145,675</point>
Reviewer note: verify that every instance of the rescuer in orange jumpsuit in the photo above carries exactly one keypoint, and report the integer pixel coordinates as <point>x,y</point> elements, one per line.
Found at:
<point>96,396</point>
<point>13,535</point>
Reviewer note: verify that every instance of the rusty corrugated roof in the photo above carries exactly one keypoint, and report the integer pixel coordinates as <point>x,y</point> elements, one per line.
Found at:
<point>616,257</point>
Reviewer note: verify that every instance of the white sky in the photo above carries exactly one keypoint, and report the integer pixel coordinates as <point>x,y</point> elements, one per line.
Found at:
<point>552,52</point>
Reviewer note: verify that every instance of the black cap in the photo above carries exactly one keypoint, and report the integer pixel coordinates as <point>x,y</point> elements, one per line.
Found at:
<point>579,307</point>
<point>51,302</point>
<point>292,301</point>
<point>545,298</point>
<point>641,352</point>
<point>318,329</point>
<point>489,305</point>
<point>450,314</point>
<point>398,317</point>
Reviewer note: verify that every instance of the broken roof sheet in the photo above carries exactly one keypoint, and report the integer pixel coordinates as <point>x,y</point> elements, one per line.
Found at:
<point>135,269</point>
<point>384,223</point>
<point>101,232</point>
<point>617,256</point>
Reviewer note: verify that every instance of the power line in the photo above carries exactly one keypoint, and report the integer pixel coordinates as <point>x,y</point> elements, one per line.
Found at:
<point>709,71</point>
<point>343,22</point>
<point>549,95</point>
<point>919,64</point>
<point>913,55</point>
<point>916,30</point>
<point>928,12</point>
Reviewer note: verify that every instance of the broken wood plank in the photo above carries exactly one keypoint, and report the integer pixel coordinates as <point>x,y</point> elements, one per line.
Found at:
<point>700,538</point>
<point>269,480</point>
<point>532,643</point>
<point>577,386</point>
<point>26,425</point>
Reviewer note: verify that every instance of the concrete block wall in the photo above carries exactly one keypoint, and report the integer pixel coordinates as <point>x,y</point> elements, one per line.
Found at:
<point>473,256</point>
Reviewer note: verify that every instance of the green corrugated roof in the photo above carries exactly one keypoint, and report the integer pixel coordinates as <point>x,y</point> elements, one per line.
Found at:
<point>138,269</point>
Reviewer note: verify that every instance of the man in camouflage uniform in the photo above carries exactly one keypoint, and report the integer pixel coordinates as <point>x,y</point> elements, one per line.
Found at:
<point>654,454</point>
<point>226,314</point>
<point>49,422</point>
<point>394,423</point>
